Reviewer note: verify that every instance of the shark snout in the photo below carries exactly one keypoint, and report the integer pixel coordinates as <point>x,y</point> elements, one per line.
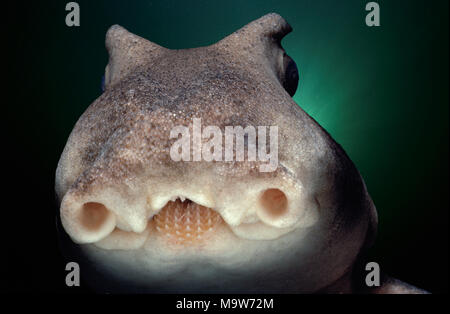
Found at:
<point>185,211</point>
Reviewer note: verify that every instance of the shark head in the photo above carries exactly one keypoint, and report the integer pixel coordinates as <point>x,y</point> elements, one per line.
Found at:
<point>196,171</point>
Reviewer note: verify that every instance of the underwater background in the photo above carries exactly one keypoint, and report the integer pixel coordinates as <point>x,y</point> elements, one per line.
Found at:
<point>381,92</point>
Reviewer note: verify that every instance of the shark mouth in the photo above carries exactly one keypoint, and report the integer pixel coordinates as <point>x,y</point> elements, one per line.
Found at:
<point>186,222</point>
<point>109,221</point>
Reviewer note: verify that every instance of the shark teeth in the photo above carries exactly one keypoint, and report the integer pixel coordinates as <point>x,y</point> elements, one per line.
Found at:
<point>181,198</point>
<point>186,222</point>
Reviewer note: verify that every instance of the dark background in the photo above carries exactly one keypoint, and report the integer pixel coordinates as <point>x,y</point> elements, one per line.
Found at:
<point>382,93</point>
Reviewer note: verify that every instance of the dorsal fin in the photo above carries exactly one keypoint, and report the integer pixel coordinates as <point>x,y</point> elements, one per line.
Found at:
<point>127,52</point>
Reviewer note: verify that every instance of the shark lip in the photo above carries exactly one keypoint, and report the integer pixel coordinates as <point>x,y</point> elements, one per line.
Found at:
<point>185,222</point>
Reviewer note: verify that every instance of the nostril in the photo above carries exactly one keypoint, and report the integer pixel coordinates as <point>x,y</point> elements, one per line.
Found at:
<point>87,222</point>
<point>274,203</point>
<point>93,216</point>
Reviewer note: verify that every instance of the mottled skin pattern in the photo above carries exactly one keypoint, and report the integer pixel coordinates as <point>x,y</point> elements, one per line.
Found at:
<point>118,155</point>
